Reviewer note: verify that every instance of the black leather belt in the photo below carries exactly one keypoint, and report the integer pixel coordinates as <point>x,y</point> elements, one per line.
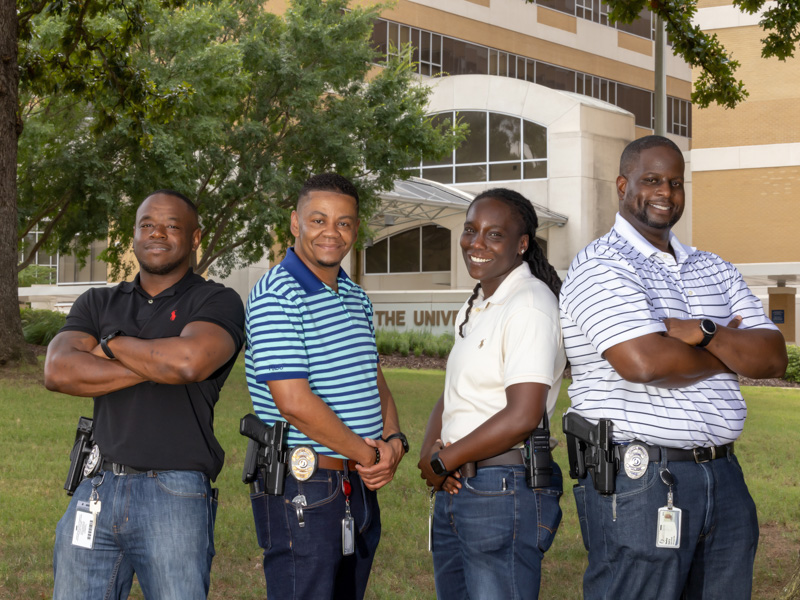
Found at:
<point>698,455</point>
<point>119,469</point>
<point>512,457</point>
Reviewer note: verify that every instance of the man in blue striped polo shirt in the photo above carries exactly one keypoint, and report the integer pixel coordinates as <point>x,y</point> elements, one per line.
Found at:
<point>656,333</point>
<point>311,360</point>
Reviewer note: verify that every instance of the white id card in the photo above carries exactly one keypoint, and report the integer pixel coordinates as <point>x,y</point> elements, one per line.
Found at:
<point>669,527</point>
<point>83,534</point>
<point>348,535</point>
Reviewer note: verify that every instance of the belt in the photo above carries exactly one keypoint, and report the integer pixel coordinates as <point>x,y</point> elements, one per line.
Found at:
<point>698,455</point>
<point>511,457</point>
<point>334,464</point>
<point>119,469</point>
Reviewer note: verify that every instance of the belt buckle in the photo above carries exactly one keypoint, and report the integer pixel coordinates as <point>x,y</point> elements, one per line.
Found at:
<point>699,459</point>
<point>118,469</point>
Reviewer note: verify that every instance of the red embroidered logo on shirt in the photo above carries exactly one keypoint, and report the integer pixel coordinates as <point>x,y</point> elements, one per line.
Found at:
<point>172,316</point>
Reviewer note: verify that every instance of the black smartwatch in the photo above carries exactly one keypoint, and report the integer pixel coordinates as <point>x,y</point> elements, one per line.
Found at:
<point>398,436</point>
<point>107,338</point>
<point>709,329</point>
<point>438,466</point>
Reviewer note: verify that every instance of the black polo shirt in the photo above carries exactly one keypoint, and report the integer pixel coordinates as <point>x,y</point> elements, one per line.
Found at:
<point>151,425</point>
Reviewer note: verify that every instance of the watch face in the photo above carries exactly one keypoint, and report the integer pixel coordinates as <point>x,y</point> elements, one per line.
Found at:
<point>708,326</point>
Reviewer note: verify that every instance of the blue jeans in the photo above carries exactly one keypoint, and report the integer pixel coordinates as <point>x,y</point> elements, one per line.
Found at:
<point>490,538</point>
<point>719,535</point>
<point>159,525</point>
<point>307,562</point>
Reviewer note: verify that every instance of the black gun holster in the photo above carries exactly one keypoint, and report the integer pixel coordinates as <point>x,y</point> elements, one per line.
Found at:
<point>537,456</point>
<point>266,454</point>
<point>81,448</point>
<point>590,449</point>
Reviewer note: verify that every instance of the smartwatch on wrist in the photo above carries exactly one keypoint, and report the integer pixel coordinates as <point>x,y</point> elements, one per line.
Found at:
<point>107,338</point>
<point>398,436</point>
<point>438,466</point>
<point>709,329</point>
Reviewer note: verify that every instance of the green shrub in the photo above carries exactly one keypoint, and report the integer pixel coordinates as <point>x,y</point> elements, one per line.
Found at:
<point>41,326</point>
<point>403,346</point>
<point>391,341</point>
<point>793,370</point>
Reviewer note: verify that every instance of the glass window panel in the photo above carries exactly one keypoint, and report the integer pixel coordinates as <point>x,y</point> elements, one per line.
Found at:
<point>99,268</point>
<point>641,26</point>
<point>436,49</point>
<point>394,37</point>
<point>492,62</point>
<point>405,35</point>
<point>530,71</point>
<point>536,169</point>
<point>435,248</point>
<point>505,171</point>
<point>473,149</point>
<point>404,252</point>
<point>440,175</point>
<point>555,77</point>
<point>520,67</point>
<point>504,137</point>
<point>437,120</point>
<point>534,140</point>
<point>462,58</point>
<point>502,64</point>
<point>425,46</point>
<point>470,174</point>
<point>376,256</point>
<point>636,101</point>
<point>379,36</point>
<point>425,69</point>
<point>567,6</point>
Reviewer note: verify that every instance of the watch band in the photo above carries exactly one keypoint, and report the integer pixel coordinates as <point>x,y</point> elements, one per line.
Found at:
<point>438,465</point>
<point>104,343</point>
<point>398,436</point>
<point>709,329</point>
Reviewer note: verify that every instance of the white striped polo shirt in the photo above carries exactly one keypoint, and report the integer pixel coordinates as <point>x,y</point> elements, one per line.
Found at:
<point>621,287</point>
<point>299,328</point>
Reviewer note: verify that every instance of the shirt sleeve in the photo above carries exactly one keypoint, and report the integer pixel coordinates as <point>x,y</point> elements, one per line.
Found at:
<point>608,302</point>
<point>82,316</point>
<point>225,309</point>
<point>532,346</point>
<point>745,303</point>
<point>276,339</point>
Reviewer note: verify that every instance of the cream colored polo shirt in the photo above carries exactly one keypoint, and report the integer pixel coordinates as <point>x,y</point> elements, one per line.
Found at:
<point>513,337</point>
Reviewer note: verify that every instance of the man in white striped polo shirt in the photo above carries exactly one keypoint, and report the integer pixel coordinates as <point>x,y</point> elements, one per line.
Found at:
<point>656,333</point>
<point>311,360</point>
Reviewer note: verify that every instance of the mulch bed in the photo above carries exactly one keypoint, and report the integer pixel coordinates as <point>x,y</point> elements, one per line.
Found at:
<point>395,361</point>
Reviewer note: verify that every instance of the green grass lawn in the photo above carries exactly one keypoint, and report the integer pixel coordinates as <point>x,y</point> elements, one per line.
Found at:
<point>37,428</point>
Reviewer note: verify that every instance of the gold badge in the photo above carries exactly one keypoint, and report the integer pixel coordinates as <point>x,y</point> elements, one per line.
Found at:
<point>636,461</point>
<point>302,462</point>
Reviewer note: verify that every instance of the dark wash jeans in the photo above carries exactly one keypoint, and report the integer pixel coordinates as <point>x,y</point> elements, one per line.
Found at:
<point>158,525</point>
<point>488,542</point>
<point>719,535</point>
<point>307,562</point>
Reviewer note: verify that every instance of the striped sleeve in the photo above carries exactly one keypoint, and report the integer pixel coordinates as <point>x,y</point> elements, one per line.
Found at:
<point>608,302</point>
<point>276,338</point>
<point>745,303</point>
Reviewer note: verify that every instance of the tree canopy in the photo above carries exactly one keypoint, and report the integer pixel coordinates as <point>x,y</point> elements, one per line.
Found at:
<point>249,105</point>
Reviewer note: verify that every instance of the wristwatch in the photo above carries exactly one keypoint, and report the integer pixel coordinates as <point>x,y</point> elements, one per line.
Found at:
<point>107,338</point>
<point>398,436</point>
<point>438,466</point>
<point>709,329</point>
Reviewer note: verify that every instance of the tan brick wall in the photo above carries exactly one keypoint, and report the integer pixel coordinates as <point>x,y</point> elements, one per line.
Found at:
<point>769,115</point>
<point>635,43</point>
<point>554,18</point>
<point>749,215</point>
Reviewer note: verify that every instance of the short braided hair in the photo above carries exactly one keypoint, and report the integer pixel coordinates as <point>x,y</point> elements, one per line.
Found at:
<point>534,256</point>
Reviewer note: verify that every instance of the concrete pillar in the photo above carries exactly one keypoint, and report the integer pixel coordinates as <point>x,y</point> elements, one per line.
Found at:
<point>782,309</point>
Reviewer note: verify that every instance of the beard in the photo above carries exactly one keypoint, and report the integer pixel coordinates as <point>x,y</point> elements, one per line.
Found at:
<point>641,216</point>
<point>164,269</point>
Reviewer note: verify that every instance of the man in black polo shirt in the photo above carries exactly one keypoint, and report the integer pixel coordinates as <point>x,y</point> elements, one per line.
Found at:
<point>154,354</point>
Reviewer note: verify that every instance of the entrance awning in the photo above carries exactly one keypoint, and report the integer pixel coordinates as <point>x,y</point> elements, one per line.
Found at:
<point>416,199</point>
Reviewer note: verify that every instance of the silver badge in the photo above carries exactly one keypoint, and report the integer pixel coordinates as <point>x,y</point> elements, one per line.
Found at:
<point>636,461</point>
<point>92,463</point>
<point>302,462</point>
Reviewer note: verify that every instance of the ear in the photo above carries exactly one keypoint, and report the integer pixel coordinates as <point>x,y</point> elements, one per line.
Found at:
<point>295,224</point>
<point>622,184</point>
<point>524,243</point>
<point>196,235</point>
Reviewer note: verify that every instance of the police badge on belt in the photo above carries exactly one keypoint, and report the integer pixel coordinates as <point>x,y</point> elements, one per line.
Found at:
<point>303,462</point>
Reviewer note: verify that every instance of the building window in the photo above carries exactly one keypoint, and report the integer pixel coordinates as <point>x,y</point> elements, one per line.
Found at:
<point>94,271</point>
<point>423,249</point>
<point>597,11</point>
<point>43,268</point>
<point>499,147</point>
<point>450,56</point>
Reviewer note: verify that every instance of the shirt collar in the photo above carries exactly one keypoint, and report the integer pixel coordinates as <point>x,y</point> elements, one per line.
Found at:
<point>628,232</point>
<point>507,286</point>
<point>306,278</point>
<point>129,286</point>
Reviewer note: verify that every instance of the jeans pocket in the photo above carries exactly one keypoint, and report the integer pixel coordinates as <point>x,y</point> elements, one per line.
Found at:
<point>548,512</point>
<point>261,519</point>
<point>183,484</point>
<point>579,492</point>
<point>491,481</point>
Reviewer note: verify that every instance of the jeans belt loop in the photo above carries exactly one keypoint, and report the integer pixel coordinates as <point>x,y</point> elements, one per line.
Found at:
<point>699,459</point>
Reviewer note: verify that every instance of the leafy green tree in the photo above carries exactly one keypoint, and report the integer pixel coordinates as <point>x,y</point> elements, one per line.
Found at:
<point>717,82</point>
<point>250,103</point>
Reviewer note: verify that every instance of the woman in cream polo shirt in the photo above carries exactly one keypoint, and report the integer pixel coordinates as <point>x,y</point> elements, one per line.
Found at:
<point>490,530</point>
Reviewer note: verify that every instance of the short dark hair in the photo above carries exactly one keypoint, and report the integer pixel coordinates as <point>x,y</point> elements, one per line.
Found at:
<point>175,194</point>
<point>329,182</point>
<point>632,151</point>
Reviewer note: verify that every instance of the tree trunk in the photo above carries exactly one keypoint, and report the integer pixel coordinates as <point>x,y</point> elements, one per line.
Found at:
<point>12,343</point>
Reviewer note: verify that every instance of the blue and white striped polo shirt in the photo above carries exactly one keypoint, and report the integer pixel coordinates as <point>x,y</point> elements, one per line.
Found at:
<point>620,287</point>
<point>299,328</point>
